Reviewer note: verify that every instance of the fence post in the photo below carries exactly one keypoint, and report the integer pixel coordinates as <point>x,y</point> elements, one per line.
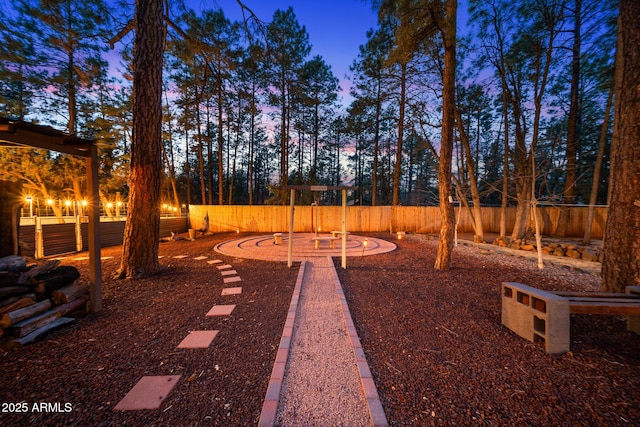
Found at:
<point>39,252</point>
<point>79,233</point>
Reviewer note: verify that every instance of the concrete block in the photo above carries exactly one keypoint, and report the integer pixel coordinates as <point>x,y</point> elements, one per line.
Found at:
<point>537,315</point>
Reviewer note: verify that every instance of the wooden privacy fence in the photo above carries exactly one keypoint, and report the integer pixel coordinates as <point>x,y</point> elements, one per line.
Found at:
<point>415,219</point>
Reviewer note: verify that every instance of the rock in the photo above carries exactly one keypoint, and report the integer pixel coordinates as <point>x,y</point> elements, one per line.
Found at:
<point>530,248</point>
<point>590,255</point>
<point>501,242</point>
<point>558,251</point>
<point>546,250</point>
<point>514,245</point>
<point>573,253</point>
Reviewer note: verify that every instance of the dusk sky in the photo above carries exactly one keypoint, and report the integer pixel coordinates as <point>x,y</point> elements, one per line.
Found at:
<point>336,28</point>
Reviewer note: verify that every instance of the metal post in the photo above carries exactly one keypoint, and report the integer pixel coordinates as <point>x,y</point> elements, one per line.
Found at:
<point>39,253</point>
<point>344,228</point>
<point>78,233</point>
<point>291,210</point>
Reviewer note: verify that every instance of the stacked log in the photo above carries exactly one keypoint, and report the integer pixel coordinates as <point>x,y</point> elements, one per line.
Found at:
<point>36,298</point>
<point>553,248</point>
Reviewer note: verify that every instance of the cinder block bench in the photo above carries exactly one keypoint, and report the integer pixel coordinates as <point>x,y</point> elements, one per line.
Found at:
<point>544,316</point>
<point>330,239</point>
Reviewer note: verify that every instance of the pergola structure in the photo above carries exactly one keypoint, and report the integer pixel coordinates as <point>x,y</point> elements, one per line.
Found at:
<point>15,133</point>
<point>292,202</point>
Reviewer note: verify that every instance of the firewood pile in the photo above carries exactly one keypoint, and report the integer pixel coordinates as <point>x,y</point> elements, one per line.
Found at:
<point>36,298</point>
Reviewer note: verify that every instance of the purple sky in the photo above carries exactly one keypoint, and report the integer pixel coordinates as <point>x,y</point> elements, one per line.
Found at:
<point>336,28</point>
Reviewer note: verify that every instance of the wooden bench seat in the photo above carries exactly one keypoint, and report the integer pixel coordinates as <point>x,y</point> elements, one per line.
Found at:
<point>543,316</point>
<point>338,233</point>
<point>610,303</point>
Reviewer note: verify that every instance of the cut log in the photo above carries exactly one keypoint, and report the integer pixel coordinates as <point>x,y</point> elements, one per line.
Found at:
<point>28,339</point>
<point>79,304</point>
<point>16,316</point>
<point>13,263</point>
<point>9,278</point>
<point>8,291</point>
<point>69,293</point>
<point>27,326</point>
<point>9,304</point>
<point>27,277</point>
<point>55,279</point>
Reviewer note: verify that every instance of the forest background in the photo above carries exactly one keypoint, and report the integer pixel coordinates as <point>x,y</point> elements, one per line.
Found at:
<point>247,109</point>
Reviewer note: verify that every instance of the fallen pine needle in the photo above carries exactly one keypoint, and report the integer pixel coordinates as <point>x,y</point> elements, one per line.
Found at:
<point>392,367</point>
<point>448,330</point>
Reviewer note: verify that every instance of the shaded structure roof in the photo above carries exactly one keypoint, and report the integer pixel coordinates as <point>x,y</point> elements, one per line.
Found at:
<point>23,134</point>
<point>17,133</point>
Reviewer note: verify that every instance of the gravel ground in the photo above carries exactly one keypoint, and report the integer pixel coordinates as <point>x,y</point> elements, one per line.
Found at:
<point>321,386</point>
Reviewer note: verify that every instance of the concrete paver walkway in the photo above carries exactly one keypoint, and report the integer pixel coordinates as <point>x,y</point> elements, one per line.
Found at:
<point>320,376</point>
<point>322,383</point>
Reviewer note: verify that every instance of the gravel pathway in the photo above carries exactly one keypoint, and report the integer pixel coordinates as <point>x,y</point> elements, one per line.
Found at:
<point>321,385</point>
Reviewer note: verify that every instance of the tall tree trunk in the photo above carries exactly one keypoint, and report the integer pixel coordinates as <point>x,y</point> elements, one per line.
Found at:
<point>473,182</point>
<point>525,164</point>
<point>445,242</point>
<point>376,147</point>
<point>141,234</point>
<point>187,165</point>
<point>572,127</point>
<point>398,166</point>
<point>505,161</point>
<point>252,131</point>
<point>170,161</point>
<point>235,153</point>
<point>10,200</point>
<point>593,198</point>
<point>621,266</point>
<point>220,141</point>
<point>284,140</point>
<point>210,162</point>
<point>203,185</point>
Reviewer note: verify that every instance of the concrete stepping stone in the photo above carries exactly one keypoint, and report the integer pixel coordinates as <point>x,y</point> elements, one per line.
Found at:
<point>224,267</point>
<point>180,256</point>
<point>231,291</point>
<point>148,393</point>
<point>198,339</point>
<point>231,279</point>
<point>221,310</point>
<point>214,261</point>
<point>201,257</point>
<point>229,273</point>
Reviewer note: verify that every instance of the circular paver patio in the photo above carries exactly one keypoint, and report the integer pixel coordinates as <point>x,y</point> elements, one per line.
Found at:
<point>263,247</point>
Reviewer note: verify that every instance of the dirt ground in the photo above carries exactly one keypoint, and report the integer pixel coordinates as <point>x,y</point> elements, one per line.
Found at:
<point>433,339</point>
<point>95,362</point>
<point>440,355</point>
